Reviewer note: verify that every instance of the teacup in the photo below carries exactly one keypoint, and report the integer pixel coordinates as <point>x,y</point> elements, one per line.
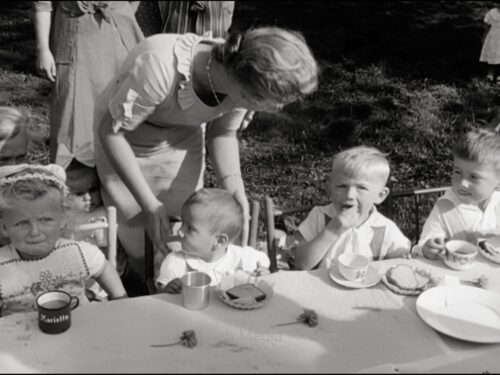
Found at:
<point>54,310</point>
<point>353,266</point>
<point>459,255</point>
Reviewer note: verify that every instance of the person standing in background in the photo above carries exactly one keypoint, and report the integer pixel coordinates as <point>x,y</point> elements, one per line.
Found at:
<point>180,17</point>
<point>80,46</point>
<point>490,52</point>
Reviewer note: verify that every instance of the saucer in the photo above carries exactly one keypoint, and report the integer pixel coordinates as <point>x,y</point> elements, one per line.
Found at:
<point>372,278</point>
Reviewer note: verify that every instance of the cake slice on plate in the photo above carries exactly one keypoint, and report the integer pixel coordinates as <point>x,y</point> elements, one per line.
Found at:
<point>247,290</point>
<point>407,277</point>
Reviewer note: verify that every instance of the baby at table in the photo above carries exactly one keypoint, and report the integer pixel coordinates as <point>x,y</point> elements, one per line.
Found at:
<point>211,221</point>
<point>32,215</point>
<point>470,208</point>
<point>351,222</point>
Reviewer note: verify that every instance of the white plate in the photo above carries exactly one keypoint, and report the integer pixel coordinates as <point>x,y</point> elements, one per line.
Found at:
<point>471,314</point>
<point>372,278</point>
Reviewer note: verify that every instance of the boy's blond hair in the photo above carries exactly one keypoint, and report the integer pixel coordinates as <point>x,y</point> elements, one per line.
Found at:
<point>223,212</point>
<point>11,122</point>
<point>361,158</point>
<point>479,146</point>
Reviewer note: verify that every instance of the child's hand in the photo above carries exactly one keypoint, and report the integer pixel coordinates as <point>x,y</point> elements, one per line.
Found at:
<point>346,219</point>
<point>433,247</point>
<point>260,271</point>
<point>174,287</point>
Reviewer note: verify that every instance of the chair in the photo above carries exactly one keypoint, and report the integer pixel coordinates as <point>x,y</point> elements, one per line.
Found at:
<point>109,226</point>
<point>421,208</point>
<point>388,208</point>
<point>149,247</point>
<point>270,216</point>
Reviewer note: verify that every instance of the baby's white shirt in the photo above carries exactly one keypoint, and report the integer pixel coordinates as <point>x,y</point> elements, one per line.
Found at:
<point>177,263</point>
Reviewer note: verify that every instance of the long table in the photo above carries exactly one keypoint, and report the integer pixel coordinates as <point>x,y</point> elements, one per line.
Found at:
<point>359,330</point>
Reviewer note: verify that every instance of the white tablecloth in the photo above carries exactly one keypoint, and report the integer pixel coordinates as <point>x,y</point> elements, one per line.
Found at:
<point>359,330</point>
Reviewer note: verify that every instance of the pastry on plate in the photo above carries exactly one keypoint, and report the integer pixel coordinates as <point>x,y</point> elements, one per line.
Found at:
<point>247,290</point>
<point>405,279</point>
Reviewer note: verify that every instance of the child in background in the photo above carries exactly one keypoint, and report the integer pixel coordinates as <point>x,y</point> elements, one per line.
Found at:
<point>490,52</point>
<point>85,204</point>
<point>211,221</point>
<point>32,215</point>
<point>14,138</point>
<point>351,223</point>
<point>471,207</point>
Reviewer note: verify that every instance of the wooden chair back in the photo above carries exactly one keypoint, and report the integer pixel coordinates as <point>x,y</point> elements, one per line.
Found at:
<point>108,224</point>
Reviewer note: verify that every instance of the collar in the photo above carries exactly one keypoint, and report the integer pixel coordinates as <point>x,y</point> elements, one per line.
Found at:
<point>183,51</point>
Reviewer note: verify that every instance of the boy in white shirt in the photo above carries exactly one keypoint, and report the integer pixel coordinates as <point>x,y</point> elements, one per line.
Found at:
<point>470,209</point>
<point>211,220</point>
<point>351,223</point>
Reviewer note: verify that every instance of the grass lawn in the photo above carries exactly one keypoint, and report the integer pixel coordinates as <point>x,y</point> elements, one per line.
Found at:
<point>403,76</point>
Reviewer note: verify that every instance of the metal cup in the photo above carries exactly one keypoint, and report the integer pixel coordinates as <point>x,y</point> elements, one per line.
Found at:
<point>195,290</point>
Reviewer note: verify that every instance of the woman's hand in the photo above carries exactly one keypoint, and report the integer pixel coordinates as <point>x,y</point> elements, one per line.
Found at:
<point>157,226</point>
<point>45,64</point>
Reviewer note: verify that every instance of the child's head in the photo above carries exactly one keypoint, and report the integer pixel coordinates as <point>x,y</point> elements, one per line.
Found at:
<point>32,208</point>
<point>358,178</point>
<point>84,187</point>
<point>211,219</point>
<point>14,137</point>
<point>476,166</point>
